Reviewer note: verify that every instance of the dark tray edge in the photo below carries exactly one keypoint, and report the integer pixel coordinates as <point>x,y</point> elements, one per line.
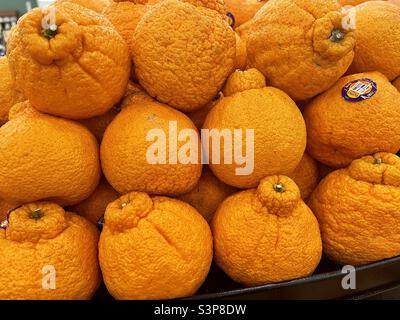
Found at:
<point>292,283</point>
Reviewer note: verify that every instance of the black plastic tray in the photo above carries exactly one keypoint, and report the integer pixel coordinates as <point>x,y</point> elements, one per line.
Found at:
<point>326,283</point>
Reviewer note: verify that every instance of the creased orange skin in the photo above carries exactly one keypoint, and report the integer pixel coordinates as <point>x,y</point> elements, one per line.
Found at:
<point>9,95</point>
<point>59,239</point>
<point>96,5</point>
<point>124,148</point>
<point>262,236</point>
<point>306,175</point>
<point>183,54</point>
<point>46,158</point>
<point>378,39</point>
<point>279,131</point>
<point>154,248</point>
<point>358,210</point>
<point>339,131</point>
<point>208,194</point>
<point>294,51</point>
<point>244,10</point>
<point>80,73</point>
<point>94,207</point>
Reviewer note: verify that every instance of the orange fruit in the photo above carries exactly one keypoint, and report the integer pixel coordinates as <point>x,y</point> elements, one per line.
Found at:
<point>241,45</point>
<point>96,5</point>
<point>351,2</point>
<point>342,126</point>
<point>78,71</point>
<point>9,95</point>
<point>48,254</point>
<point>279,132</point>
<point>4,208</point>
<point>378,38</point>
<point>44,157</point>
<point>183,54</point>
<point>135,96</point>
<point>208,194</point>
<point>125,16</point>
<point>267,234</point>
<point>396,83</point>
<point>94,207</point>
<point>154,248</point>
<point>217,5</point>
<point>243,30</point>
<point>241,53</point>
<point>303,51</point>
<point>306,175</point>
<point>138,1</point>
<point>357,209</point>
<point>244,10</point>
<point>135,160</point>
<point>243,80</point>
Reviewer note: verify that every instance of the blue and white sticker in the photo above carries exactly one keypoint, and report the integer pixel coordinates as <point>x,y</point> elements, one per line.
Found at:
<point>359,90</point>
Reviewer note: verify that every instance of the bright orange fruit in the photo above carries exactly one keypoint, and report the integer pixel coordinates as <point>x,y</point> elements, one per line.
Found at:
<point>306,175</point>
<point>134,160</point>
<point>154,248</point>
<point>78,70</point>
<point>96,5</point>
<point>183,54</point>
<point>358,116</point>
<point>351,2</point>
<point>266,234</point>
<point>48,254</point>
<point>9,95</point>
<point>46,158</point>
<point>266,113</point>
<point>125,16</point>
<point>357,209</point>
<point>244,10</point>
<point>377,39</point>
<point>301,47</point>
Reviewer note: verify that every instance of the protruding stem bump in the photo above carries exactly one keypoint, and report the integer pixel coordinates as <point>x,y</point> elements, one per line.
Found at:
<point>37,214</point>
<point>337,35</point>
<point>50,32</point>
<point>279,187</point>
